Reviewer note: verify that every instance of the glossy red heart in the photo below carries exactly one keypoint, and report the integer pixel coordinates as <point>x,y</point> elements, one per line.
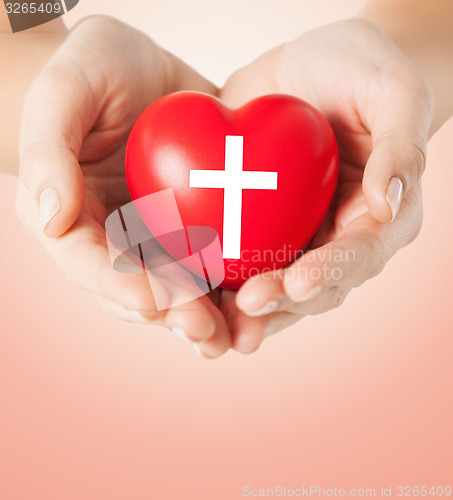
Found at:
<point>278,155</point>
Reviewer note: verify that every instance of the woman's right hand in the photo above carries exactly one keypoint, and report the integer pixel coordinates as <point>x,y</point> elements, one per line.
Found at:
<point>77,117</point>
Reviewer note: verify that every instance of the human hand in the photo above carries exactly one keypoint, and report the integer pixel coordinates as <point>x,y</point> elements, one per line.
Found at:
<point>380,110</point>
<point>92,130</point>
<point>77,117</point>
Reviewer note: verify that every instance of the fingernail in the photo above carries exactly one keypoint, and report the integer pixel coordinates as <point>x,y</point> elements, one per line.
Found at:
<point>197,348</point>
<point>268,331</point>
<point>139,317</point>
<point>179,332</point>
<point>310,294</point>
<point>49,205</point>
<point>394,195</point>
<point>270,307</point>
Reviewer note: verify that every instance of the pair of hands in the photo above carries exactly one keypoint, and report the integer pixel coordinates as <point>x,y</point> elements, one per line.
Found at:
<point>80,109</point>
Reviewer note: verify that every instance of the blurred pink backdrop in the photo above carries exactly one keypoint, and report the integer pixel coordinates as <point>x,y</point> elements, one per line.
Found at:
<point>93,408</point>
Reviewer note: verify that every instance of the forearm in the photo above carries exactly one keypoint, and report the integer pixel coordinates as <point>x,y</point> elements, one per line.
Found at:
<point>21,57</point>
<point>423,31</point>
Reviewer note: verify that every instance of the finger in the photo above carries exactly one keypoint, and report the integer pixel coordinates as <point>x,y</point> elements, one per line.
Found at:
<point>82,254</point>
<point>323,276</point>
<point>245,337</point>
<point>325,299</point>
<point>58,112</point>
<point>321,297</point>
<point>399,123</point>
<point>194,320</point>
<point>279,321</point>
<point>220,341</point>
<point>248,333</point>
<point>321,279</point>
<point>262,294</point>
<point>210,349</point>
<point>191,314</point>
<point>117,311</point>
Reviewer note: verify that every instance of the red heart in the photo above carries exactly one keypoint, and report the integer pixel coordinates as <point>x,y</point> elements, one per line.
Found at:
<point>188,131</point>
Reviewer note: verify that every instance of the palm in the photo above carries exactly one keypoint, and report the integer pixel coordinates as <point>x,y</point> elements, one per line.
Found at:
<point>105,185</point>
<point>103,153</point>
<point>354,144</point>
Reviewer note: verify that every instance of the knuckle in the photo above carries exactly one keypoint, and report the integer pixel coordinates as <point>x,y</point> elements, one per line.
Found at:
<point>337,296</point>
<point>31,158</point>
<point>413,165</point>
<point>417,226</point>
<point>412,225</point>
<point>45,83</point>
<point>97,21</point>
<point>376,265</point>
<point>332,299</point>
<point>420,87</point>
<point>415,153</point>
<point>412,153</point>
<point>374,256</point>
<point>419,161</point>
<point>32,170</point>
<point>406,79</point>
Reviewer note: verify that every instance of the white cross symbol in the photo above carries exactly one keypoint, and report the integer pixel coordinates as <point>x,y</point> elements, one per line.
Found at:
<point>232,180</point>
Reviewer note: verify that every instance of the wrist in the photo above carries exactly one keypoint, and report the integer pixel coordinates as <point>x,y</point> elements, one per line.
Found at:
<point>423,35</point>
<point>22,55</point>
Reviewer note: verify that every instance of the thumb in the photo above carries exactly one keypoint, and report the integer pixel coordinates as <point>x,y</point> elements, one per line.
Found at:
<point>55,121</point>
<point>399,129</point>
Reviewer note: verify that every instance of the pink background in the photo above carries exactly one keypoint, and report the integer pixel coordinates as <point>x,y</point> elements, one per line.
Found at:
<point>94,408</point>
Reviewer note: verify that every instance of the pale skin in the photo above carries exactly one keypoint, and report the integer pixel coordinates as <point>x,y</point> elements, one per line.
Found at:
<point>377,97</point>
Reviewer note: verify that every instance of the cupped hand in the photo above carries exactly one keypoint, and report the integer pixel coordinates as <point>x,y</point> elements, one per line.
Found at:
<point>76,120</point>
<point>81,108</point>
<point>380,110</point>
